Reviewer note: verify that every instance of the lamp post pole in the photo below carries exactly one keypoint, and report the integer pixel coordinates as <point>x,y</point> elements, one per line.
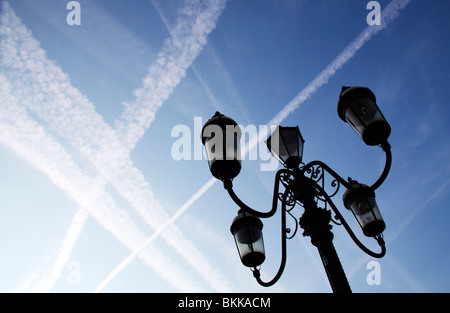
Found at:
<point>315,222</point>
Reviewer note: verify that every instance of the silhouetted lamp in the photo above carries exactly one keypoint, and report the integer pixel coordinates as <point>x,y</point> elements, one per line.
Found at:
<point>304,184</point>
<point>286,144</point>
<point>221,136</point>
<point>247,232</point>
<point>357,106</point>
<point>360,200</point>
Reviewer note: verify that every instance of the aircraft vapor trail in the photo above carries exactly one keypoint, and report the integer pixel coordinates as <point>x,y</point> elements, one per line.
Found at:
<point>30,140</point>
<point>389,14</point>
<point>129,259</point>
<point>70,114</point>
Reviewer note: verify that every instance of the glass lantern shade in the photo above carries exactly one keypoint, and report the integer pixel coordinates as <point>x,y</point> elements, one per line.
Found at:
<point>221,136</point>
<point>361,202</point>
<point>248,236</point>
<point>357,106</point>
<point>286,144</point>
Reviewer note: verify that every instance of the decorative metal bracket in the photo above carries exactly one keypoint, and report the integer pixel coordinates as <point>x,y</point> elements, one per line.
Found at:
<point>316,176</point>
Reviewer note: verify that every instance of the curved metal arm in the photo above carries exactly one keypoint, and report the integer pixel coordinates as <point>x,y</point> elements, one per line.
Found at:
<point>387,148</point>
<point>229,187</point>
<point>350,231</point>
<point>256,272</point>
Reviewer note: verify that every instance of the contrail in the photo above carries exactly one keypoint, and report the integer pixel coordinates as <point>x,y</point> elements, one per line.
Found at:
<point>178,54</point>
<point>388,14</point>
<point>29,140</point>
<point>43,279</point>
<point>127,261</point>
<point>112,36</point>
<point>414,210</point>
<point>72,116</point>
<point>226,82</point>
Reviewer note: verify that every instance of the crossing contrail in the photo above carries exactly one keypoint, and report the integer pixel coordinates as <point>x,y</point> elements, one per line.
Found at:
<point>128,260</point>
<point>30,140</point>
<point>72,116</point>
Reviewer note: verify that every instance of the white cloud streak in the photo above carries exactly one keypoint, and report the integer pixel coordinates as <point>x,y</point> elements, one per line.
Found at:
<point>46,91</point>
<point>44,279</point>
<point>416,209</point>
<point>30,140</point>
<point>127,261</point>
<point>226,83</point>
<point>388,15</point>
<point>178,54</point>
<point>413,210</point>
<point>100,43</point>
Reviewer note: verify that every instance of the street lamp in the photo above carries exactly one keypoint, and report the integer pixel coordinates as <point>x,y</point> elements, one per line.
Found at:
<point>360,200</point>
<point>221,136</point>
<point>307,185</point>
<point>286,144</point>
<point>358,107</point>
<point>247,232</point>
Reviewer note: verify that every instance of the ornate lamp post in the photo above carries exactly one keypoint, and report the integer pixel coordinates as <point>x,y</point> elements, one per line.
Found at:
<point>304,185</point>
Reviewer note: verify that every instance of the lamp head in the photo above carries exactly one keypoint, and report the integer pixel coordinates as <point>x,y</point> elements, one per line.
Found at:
<point>357,106</point>
<point>221,136</point>
<point>247,232</point>
<point>286,144</point>
<point>360,200</point>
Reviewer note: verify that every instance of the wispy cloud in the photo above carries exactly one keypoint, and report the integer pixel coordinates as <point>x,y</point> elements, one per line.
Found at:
<point>46,91</point>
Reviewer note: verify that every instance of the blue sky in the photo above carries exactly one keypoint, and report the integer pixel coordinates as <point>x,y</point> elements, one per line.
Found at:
<point>92,198</point>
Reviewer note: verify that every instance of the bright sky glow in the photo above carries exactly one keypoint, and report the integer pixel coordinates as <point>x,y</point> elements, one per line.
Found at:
<point>93,199</point>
